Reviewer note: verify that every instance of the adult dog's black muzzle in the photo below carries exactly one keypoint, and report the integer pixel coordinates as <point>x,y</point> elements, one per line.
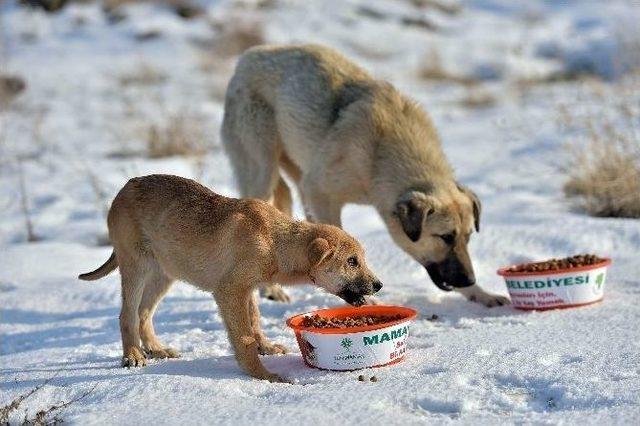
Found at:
<point>450,274</point>
<point>434,273</point>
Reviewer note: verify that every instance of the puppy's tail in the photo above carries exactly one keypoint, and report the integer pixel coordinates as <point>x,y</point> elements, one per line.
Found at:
<point>108,266</point>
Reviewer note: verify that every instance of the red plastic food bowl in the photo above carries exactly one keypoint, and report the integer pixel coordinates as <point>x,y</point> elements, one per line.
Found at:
<point>355,347</point>
<point>560,288</point>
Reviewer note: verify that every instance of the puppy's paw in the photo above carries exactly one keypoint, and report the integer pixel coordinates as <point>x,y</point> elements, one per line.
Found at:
<point>275,292</point>
<point>274,378</point>
<point>268,348</point>
<point>134,357</point>
<point>162,353</point>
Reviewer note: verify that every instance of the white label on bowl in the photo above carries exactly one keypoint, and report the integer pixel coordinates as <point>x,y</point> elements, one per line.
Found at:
<point>548,291</point>
<point>355,350</point>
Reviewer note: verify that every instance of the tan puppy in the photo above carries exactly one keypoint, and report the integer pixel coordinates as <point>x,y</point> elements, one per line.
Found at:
<point>166,228</point>
<point>344,137</point>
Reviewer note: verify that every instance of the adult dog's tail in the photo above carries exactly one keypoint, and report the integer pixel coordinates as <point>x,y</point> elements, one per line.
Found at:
<point>108,266</point>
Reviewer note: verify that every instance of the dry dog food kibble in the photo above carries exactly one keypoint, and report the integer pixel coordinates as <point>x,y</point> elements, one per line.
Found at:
<point>556,264</point>
<point>316,321</point>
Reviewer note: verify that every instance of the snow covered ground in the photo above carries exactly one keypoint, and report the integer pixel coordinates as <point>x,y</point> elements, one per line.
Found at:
<point>78,133</point>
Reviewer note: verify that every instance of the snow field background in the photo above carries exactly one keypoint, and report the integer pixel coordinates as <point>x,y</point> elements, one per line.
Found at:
<point>78,133</point>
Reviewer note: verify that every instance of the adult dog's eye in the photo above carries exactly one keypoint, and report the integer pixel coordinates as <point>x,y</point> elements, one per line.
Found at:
<point>352,261</point>
<point>448,238</point>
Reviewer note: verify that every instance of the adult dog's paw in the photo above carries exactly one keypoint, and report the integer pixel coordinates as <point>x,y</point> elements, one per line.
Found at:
<point>275,292</point>
<point>490,300</point>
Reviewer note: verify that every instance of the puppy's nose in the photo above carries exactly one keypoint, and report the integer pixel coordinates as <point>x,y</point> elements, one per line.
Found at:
<point>377,285</point>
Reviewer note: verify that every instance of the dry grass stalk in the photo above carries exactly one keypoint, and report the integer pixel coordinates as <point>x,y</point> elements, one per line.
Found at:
<point>433,70</point>
<point>183,8</point>
<point>477,97</point>
<point>447,7</point>
<point>24,204</point>
<point>47,5</point>
<point>102,198</point>
<point>10,87</point>
<point>42,417</point>
<point>144,75</point>
<point>371,13</point>
<point>236,36</point>
<point>418,22</point>
<point>6,411</point>
<point>604,178</point>
<point>182,135</point>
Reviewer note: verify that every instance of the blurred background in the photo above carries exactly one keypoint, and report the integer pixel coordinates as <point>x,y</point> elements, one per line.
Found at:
<point>94,92</point>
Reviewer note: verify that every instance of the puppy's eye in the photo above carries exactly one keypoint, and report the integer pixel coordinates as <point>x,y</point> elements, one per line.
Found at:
<point>447,238</point>
<point>352,261</point>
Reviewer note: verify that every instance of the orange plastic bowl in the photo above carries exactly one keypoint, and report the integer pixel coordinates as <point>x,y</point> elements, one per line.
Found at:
<point>560,288</point>
<point>355,347</point>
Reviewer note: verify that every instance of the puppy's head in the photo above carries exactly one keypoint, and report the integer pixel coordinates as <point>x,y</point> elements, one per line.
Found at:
<point>434,227</point>
<point>337,264</point>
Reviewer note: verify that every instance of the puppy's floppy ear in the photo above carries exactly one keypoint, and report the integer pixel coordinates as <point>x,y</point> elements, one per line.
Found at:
<point>411,209</point>
<point>319,251</point>
<point>477,206</point>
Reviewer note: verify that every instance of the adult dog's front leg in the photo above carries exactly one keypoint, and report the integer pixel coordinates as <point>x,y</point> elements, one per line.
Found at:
<point>234,309</point>
<point>477,294</point>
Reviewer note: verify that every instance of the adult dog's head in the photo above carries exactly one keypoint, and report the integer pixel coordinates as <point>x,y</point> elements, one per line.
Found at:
<point>434,227</point>
<point>337,264</point>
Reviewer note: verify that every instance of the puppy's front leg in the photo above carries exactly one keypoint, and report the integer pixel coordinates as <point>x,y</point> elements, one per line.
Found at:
<point>234,309</point>
<point>265,347</point>
<point>477,294</point>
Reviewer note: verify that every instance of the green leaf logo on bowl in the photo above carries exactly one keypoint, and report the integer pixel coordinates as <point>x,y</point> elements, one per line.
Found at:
<point>346,343</point>
<point>599,280</point>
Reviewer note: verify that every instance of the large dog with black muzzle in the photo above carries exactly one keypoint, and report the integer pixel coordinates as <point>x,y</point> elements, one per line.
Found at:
<point>344,137</point>
<point>166,228</point>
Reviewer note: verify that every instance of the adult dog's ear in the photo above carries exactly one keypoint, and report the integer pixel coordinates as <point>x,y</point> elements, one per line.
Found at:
<point>411,210</point>
<point>477,206</point>
<point>319,251</point>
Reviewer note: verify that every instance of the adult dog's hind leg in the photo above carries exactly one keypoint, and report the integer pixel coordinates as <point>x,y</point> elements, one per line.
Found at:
<point>321,207</point>
<point>282,201</point>
<point>252,142</point>
<point>156,286</point>
<point>282,197</point>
